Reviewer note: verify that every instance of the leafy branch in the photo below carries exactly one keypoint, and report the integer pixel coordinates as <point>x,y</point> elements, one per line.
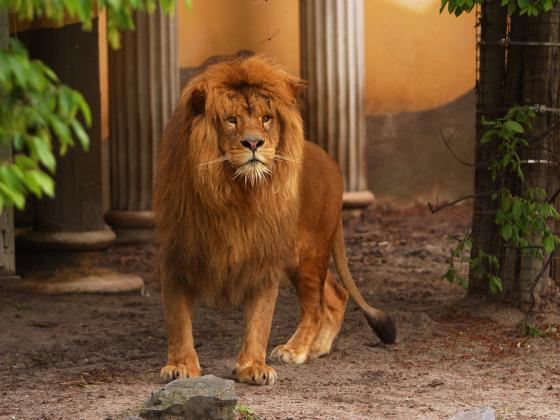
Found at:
<point>524,220</point>
<point>36,108</point>
<point>522,7</point>
<point>120,14</point>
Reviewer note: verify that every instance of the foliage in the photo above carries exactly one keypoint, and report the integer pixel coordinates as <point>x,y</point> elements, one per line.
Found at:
<point>120,14</point>
<point>509,130</point>
<point>481,264</point>
<point>523,220</point>
<point>531,330</point>
<point>522,7</point>
<point>245,412</point>
<point>35,108</point>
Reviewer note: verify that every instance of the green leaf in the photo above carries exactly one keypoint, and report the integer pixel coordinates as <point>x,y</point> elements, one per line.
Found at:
<point>514,126</point>
<point>84,107</point>
<point>24,162</point>
<point>516,209</point>
<point>61,130</point>
<point>548,243</point>
<point>80,133</point>
<point>495,284</point>
<point>44,181</point>
<point>13,196</point>
<point>43,151</point>
<point>506,231</point>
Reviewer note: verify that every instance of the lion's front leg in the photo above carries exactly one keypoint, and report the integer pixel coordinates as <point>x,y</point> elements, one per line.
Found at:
<point>259,310</point>
<point>182,360</point>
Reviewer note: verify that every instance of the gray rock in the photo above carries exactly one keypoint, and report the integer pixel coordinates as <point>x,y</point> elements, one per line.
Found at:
<point>205,397</point>
<point>481,413</point>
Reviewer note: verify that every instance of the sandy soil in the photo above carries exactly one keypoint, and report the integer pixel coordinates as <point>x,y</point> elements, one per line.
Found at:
<point>97,357</point>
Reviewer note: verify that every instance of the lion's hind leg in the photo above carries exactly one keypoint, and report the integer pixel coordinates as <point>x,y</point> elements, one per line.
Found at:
<point>333,306</point>
<point>322,302</point>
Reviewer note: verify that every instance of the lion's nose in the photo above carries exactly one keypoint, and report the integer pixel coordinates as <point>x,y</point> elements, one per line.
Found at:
<point>252,145</point>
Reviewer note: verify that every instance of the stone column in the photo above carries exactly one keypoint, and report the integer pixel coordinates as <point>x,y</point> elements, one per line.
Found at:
<point>332,62</point>
<point>65,251</point>
<point>143,90</point>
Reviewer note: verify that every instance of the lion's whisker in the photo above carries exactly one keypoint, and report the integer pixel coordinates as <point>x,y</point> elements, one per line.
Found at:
<point>285,159</point>
<point>252,174</point>
<point>217,160</point>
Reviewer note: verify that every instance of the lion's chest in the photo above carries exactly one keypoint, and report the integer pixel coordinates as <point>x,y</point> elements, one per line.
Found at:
<point>233,256</point>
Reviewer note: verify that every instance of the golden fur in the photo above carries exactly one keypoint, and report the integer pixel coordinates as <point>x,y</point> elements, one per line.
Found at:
<point>242,201</point>
<point>221,255</point>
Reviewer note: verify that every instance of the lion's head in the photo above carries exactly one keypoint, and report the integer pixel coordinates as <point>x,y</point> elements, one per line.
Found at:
<point>244,121</point>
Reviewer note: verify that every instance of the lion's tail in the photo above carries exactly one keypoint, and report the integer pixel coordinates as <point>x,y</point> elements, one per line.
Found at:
<point>379,321</point>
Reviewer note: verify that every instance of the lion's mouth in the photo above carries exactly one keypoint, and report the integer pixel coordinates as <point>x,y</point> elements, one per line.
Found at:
<point>253,172</point>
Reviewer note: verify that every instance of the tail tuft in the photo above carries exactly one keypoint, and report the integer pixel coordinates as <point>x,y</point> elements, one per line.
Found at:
<point>384,327</point>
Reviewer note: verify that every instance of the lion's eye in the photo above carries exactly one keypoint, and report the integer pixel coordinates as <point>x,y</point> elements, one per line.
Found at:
<point>232,120</point>
<point>266,118</point>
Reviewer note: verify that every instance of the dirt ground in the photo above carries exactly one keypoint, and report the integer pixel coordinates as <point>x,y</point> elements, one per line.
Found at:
<point>98,357</point>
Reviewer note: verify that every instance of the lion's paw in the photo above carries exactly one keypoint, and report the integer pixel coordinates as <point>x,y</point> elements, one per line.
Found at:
<point>171,372</point>
<point>289,355</point>
<point>256,374</point>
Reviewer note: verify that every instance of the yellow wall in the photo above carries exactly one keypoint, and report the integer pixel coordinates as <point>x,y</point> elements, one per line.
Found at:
<point>415,58</point>
<point>217,27</point>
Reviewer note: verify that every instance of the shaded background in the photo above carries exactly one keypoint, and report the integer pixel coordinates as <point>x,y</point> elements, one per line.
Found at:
<point>420,73</point>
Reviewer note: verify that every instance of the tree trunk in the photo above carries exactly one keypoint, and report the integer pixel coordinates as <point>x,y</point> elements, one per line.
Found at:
<point>528,76</point>
<point>540,162</point>
<point>490,104</point>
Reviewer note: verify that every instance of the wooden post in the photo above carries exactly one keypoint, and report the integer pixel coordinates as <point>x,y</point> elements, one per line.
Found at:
<point>490,103</point>
<point>7,255</point>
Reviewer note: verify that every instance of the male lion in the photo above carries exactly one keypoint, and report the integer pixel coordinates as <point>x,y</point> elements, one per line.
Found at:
<point>242,201</point>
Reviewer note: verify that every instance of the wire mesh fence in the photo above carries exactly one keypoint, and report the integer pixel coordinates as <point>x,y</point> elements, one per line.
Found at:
<point>518,63</point>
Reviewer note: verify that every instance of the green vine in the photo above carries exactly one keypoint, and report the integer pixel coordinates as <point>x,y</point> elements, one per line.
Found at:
<point>522,219</point>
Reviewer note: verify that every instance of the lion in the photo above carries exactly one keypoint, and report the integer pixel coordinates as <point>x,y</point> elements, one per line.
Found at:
<point>242,201</point>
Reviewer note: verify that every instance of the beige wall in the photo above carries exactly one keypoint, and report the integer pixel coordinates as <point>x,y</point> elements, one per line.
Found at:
<point>415,58</point>
<point>217,27</point>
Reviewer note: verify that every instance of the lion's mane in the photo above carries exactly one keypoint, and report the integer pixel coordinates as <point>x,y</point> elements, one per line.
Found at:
<point>223,240</point>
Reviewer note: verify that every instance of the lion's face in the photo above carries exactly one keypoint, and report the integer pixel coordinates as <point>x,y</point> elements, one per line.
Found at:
<point>248,135</point>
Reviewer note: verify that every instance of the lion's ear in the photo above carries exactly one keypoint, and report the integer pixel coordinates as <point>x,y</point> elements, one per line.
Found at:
<point>297,86</point>
<point>198,101</point>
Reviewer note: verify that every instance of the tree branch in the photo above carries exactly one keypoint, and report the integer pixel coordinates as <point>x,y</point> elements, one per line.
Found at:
<point>446,141</point>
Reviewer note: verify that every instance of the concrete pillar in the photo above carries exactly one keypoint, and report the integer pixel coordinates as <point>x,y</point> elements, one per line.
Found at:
<point>332,61</point>
<point>143,90</point>
<point>65,250</point>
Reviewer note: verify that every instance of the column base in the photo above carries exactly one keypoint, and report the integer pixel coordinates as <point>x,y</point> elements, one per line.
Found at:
<point>66,241</point>
<point>357,199</point>
<point>68,262</point>
<point>131,226</point>
<point>75,281</point>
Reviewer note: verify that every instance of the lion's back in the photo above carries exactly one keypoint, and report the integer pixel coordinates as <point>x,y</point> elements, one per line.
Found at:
<point>321,189</point>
